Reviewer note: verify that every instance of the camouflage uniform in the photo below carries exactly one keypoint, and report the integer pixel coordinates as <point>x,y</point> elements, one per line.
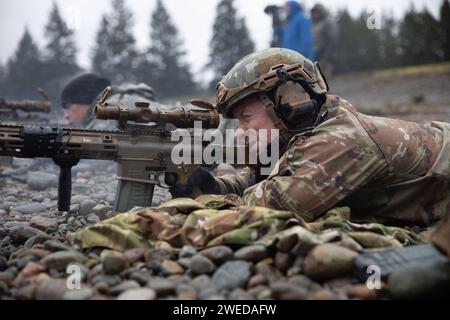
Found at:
<point>392,170</point>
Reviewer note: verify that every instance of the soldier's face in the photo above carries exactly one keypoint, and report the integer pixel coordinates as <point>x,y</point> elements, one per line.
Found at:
<point>252,114</point>
<point>76,113</point>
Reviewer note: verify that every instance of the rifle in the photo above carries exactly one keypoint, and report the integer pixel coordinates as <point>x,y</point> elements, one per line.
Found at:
<point>27,105</point>
<point>142,151</point>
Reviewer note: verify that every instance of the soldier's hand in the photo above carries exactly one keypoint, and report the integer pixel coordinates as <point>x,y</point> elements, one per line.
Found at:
<point>200,182</point>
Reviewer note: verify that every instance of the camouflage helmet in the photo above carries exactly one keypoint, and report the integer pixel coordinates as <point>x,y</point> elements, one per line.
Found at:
<point>259,72</point>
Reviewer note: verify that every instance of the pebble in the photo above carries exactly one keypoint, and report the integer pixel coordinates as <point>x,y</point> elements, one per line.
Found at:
<point>187,252</point>
<point>361,291</point>
<point>202,265</point>
<point>81,294</point>
<point>31,208</point>
<point>113,262</point>
<point>40,181</point>
<point>86,207</point>
<point>138,294</point>
<point>21,234</point>
<point>231,275</point>
<point>134,255</point>
<point>124,286</point>
<point>61,259</point>
<point>54,245</point>
<point>283,261</point>
<point>328,261</point>
<point>288,291</point>
<point>162,286</point>
<point>169,267</point>
<point>251,253</point>
<point>52,289</point>
<point>43,223</point>
<point>218,254</point>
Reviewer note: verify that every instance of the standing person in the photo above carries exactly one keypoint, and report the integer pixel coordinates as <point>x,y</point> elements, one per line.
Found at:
<point>325,37</point>
<point>296,34</point>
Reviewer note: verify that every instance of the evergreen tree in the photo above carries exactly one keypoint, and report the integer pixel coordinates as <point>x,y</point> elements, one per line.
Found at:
<point>388,43</point>
<point>60,55</point>
<point>444,24</point>
<point>230,40</point>
<point>2,80</point>
<point>418,38</point>
<point>367,57</point>
<point>24,70</point>
<point>347,46</point>
<point>115,55</point>
<point>163,67</point>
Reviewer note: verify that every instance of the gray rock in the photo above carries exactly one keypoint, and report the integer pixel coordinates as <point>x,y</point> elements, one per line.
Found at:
<point>124,286</point>
<point>162,287</point>
<point>34,207</point>
<point>21,234</point>
<point>218,254</point>
<point>77,199</point>
<point>140,276</point>
<point>113,262</point>
<point>202,265</point>
<point>201,282</point>
<point>169,267</point>
<point>288,291</point>
<point>59,260</point>
<point>3,264</point>
<point>93,218</point>
<point>231,275</point>
<point>43,223</point>
<point>40,181</point>
<point>55,245</point>
<point>251,253</point>
<point>187,252</point>
<point>52,289</point>
<point>86,207</point>
<point>82,294</point>
<point>328,261</point>
<point>240,294</point>
<point>138,294</point>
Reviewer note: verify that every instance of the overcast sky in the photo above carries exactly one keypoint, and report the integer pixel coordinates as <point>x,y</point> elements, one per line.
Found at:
<point>194,19</point>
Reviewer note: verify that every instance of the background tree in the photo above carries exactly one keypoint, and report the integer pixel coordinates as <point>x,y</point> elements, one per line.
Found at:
<point>230,40</point>
<point>444,24</point>
<point>2,80</point>
<point>418,38</point>
<point>24,70</point>
<point>60,54</point>
<point>389,52</point>
<point>347,46</point>
<point>163,66</point>
<point>115,55</point>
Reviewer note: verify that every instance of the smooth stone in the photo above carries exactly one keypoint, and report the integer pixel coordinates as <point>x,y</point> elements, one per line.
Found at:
<point>218,254</point>
<point>61,259</point>
<point>38,239</point>
<point>124,286</point>
<point>134,255</point>
<point>169,267</point>
<point>328,261</point>
<point>81,294</point>
<point>200,282</point>
<point>287,291</point>
<point>113,262</point>
<point>92,218</point>
<point>361,291</point>
<point>138,294</point>
<point>324,294</point>
<point>185,262</point>
<point>55,245</point>
<point>31,208</point>
<point>20,235</point>
<point>231,275</point>
<point>77,199</point>
<point>141,277</point>
<point>257,280</point>
<point>43,223</point>
<point>240,294</point>
<point>158,255</point>
<point>40,181</point>
<point>86,207</point>
<point>53,289</point>
<point>303,281</point>
<point>283,261</point>
<point>162,287</point>
<point>202,265</point>
<point>207,294</point>
<point>187,252</point>
<point>251,253</point>
<point>3,264</point>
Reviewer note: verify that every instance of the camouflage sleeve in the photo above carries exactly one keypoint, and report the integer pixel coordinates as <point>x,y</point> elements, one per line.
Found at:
<point>235,183</point>
<point>318,172</point>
